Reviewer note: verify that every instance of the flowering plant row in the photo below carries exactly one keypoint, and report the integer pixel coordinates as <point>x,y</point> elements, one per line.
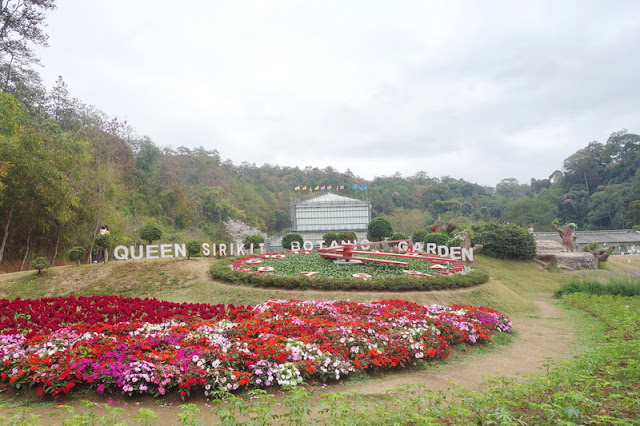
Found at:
<point>41,316</point>
<point>275,343</point>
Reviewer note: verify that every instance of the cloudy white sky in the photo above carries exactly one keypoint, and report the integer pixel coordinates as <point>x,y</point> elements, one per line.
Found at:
<point>474,90</point>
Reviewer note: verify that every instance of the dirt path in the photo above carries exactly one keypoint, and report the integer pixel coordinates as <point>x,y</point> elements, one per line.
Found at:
<point>541,338</point>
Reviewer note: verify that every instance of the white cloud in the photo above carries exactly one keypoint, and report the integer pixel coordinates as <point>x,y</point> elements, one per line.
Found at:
<point>480,91</point>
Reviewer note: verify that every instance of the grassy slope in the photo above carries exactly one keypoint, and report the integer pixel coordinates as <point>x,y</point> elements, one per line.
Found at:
<point>510,288</point>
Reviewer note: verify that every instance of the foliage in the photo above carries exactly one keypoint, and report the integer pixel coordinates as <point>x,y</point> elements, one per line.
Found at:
<point>103,240</point>
<point>193,248</point>
<point>77,253</point>
<point>40,263</point>
<point>379,228</point>
<point>256,240</point>
<point>150,232</point>
<point>615,287</point>
<point>290,238</point>
<point>419,235</point>
<point>437,238</point>
<point>218,243</point>
<point>229,350</point>
<point>347,236</point>
<point>388,278</point>
<point>330,237</point>
<point>504,241</point>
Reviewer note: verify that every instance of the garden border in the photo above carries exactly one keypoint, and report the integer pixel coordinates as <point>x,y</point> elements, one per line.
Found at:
<point>222,270</point>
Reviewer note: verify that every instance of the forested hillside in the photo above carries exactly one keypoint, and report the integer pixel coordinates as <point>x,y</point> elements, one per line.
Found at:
<point>66,168</point>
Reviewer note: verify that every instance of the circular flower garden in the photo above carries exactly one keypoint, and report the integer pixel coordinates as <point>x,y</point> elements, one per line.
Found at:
<point>145,346</point>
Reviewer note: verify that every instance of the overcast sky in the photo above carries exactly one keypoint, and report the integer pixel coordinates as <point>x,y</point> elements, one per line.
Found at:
<point>474,90</point>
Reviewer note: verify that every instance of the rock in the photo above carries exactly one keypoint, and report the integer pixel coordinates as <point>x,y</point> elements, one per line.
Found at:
<point>549,246</point>
<point>466,241</point>
<point>554,254</point>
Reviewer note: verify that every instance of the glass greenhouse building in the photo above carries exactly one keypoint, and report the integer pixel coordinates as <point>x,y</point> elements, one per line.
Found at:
<point>330,212</point>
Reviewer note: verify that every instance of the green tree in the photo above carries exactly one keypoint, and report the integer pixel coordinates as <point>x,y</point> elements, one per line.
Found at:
<point>504,241</point>
<point>282,220</point>
<point>290,238</point>
<point>193,248</point>
<point>150,233</point>
<point>347,236</point>
<point>379,228</point>
<point>330,237</point>
<point>76,254</point>
<point>256,240</point>
<point>530,211</point>
<point>40,263</point>
<point>419,236</point>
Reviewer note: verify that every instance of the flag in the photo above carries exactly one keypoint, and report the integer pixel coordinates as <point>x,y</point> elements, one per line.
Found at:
<point>363,188</point>
<point>341,187</point>
<point>310,189</point>
<point>297,188</point>
<point>329,187</point>
<point>354,187</point>
<point>317,188</point>
<point>322,188</point>
<point>304,188</point>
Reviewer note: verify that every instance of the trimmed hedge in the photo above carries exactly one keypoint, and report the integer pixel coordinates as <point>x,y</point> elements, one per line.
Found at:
<point>504,241</point>
<point>222,271</point>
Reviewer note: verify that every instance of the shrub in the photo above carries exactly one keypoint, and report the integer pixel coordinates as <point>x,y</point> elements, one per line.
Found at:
<point>615,287</point>
<point>419,235</point>
<point>330,237</point>
<point>256,240</point>
<point>40,263</point>
<point>150,233</point>
<point>103,240</point>
<point>398,236</point>
<point>437,238</point>
<point>504,241</point>
<point>217,244</point>
<point>379,228</point>
<point>222,271</point>
<point>193,248</point>
<point>291,237</point>
<point>76,254</point>
<point>347,236</point>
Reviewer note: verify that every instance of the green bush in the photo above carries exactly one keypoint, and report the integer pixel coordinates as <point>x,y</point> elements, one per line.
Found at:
<point>419,235</point>
<point>40,263</point>
<point>256,240</point>
<point>379,228</point>
<point>437,238</point>
<point>76,254</point>
<point>615,287</point>
<point>103,240</point>
<point>221,271</point>
<point>347,236</point>
<point>504,241</point>
<point>217,244</point>
<point>150,233</point>
<point>330,237</point>
<point>193,248</point>
<point>291,237</point>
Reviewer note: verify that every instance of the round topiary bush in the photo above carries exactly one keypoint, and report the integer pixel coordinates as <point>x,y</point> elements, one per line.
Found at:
<point>379,228</point>
<point>40,263</point>
<point>76,254</point>
<point>256,240</point>
<point>436,238</point>
<point>150,233</point>
<point>419,236</point>
<point>289,238</point>
<point>330,237</point>
<point>347,236</point>
<point>504,241</point>
<point>193,248</point>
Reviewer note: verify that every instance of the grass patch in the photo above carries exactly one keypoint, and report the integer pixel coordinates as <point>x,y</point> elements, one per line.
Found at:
<point>615,287</point>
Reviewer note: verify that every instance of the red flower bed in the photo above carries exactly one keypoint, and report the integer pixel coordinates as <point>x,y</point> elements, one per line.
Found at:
<point>197,346</point>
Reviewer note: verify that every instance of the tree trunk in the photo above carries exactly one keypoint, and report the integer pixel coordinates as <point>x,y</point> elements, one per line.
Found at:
<point>26,253</point>
<point>6,234</point>
<point>55,251</point>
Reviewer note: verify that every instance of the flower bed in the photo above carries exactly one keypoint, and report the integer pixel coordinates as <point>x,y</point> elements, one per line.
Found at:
<point>274,343</point>
<point>310,270</point>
